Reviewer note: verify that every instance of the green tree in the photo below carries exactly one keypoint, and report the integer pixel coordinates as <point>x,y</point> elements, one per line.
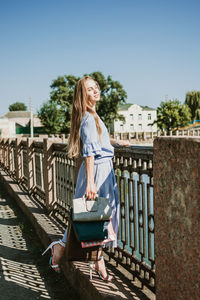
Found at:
<point>172,114</point>
<point>62,96</point>
<point>17,106</point>
<point>192,99</point>
<point>51,117</point>
<point>112,94</point>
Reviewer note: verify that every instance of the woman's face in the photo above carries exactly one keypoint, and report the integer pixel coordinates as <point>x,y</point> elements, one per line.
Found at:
<point>92,89</point>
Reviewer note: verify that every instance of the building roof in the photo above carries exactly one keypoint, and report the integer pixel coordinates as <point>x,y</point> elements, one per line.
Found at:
<point>123,107</point>
<point>17,114</point>
<point>22,118</point>
<point>147,108</point>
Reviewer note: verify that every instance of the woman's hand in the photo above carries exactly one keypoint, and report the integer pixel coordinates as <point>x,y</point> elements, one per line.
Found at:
<point>91,191</point>
<point>123,143</point>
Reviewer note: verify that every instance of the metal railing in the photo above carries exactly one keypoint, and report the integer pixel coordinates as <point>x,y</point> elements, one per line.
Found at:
<point>46,172</point>
<point>150,135</point>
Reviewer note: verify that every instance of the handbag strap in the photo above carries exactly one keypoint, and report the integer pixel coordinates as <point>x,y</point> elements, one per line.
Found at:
<point>87,201</point>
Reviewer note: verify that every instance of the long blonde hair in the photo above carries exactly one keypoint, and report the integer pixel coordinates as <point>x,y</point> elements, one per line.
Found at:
<point>79,108</point>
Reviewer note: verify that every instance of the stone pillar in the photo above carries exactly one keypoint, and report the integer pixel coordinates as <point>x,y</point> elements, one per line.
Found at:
<point>136,136</point>
<point>49,174</point>
<point>30,164</point>
<point>10,156</point>
<point>1,150</point>
<point>177,217</point>
<point>63,137</point>
<point>144,136</point>
<point>18,158</point>
<point>6,153</point>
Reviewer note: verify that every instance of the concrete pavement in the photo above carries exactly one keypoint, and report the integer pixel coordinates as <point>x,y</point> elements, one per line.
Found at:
<point>24,273</point>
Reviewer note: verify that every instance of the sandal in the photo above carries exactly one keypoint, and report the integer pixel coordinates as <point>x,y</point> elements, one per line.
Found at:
<point>92,268</point>
<point>55,267</point>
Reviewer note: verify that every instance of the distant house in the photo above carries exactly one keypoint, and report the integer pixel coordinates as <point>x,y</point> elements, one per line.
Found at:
<point>7,127</point>
<point>17,122</point>
<point>137,119</point>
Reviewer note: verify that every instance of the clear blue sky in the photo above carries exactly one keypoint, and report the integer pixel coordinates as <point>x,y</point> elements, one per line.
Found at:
<point>151,46</point>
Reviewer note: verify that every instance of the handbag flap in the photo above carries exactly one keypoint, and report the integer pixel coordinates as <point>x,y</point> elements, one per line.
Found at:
<point>91,205</point>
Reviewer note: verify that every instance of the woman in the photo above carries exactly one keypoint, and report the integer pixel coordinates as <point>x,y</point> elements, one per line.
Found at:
<point>96,175</point>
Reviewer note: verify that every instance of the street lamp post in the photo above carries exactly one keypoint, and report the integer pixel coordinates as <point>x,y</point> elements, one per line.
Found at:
<point>31,118</point>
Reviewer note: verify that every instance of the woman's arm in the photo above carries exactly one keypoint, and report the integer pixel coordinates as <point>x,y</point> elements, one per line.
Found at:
<point>124,143</point>
<point>91,189</point>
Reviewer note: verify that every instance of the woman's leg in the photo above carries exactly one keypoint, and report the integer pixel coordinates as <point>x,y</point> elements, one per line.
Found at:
<point>57,254</point>
<point>100,266</point>
<point>58,251</point>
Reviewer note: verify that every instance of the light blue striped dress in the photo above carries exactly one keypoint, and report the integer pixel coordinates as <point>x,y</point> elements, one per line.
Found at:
<point>104,175</point>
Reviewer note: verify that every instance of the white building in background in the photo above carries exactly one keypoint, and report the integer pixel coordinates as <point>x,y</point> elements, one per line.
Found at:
<point>16,119</point>
<point>137,119</point>
<point>7,128</point>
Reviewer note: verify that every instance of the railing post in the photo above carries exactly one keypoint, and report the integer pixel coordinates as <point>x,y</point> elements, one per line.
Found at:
<point>49,174</point>
<point>144,136</point>
<point>30,165</point>
<point>10,156</point>
<point>6,154</point>
<point>177,206</point>
<point>2,152</point>
<point>63,137</point>
<point>18,158</point>
<point>136,135</point>
<point>1,143</point>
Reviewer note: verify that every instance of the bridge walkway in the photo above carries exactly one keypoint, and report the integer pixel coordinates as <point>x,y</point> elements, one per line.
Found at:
<point>25,274</point>
<point>25,229</point>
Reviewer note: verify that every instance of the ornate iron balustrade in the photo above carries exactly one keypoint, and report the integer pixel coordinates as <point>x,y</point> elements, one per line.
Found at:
<point>65,170</point>
<point>45,171</point>
<point>135,252</point>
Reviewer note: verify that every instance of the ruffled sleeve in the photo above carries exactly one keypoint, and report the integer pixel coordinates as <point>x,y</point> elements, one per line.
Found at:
<point>89,136</point>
